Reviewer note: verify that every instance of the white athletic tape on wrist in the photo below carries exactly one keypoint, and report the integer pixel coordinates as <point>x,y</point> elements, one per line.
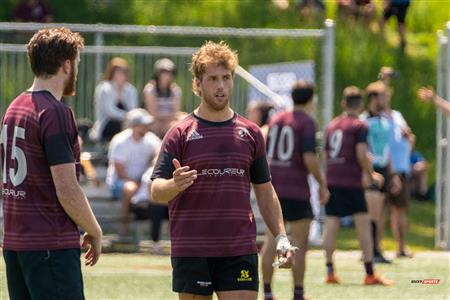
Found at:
<point>283,245</point>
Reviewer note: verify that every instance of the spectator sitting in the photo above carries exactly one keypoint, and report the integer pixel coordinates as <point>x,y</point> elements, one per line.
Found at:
<point>308,8</point>
<point>114,97</point>
<point>33,11</point>
<point>259,112</point>
<point>131,152</point>
<point>419,178</point>
<point>163,96</point>
<point>143,208</point>
<point>357,9</point>
<point>281,4</point>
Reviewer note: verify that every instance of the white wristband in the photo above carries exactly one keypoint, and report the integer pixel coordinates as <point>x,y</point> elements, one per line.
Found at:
<point>283,243</point>
<point>278,237</point>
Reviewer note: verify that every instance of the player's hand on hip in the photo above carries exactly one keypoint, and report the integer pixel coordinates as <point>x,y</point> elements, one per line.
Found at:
<point>285,252</point>
<point>324,194</point>
<point>395,185</point>
<point>377,179</point>
<point>182,177</point>
<point>94,248</point>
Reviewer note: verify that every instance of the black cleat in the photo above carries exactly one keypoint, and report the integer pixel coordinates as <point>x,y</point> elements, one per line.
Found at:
<point>379,259</point>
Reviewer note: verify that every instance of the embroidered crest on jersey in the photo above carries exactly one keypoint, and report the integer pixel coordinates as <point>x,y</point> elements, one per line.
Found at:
<point>243,132</point>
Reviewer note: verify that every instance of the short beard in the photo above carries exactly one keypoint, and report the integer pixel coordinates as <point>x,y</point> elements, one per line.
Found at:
<point>70,84</point>
<point>215,106</point>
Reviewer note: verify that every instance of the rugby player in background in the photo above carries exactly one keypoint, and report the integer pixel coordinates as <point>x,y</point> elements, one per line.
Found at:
<point>347,158</point>
<point>292,156</point>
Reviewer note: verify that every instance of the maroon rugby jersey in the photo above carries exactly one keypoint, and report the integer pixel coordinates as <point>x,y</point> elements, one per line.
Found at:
<point>38,131</point>
<point>291,134</point>
<point>343,134</point>
<point>213,217</point>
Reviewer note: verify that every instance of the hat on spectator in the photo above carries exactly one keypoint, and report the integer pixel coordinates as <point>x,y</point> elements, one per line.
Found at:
<point>138,116</point>
<point>164,64</point>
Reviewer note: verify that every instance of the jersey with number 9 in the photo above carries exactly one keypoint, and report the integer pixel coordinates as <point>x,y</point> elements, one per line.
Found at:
<point>342,136</point>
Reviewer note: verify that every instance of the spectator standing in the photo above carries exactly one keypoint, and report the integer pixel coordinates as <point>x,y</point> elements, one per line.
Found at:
<point>358,9</point>
<point>401,142</point>
<point>162,96</point>
<point>130,154</point>
<point>419,176</point>
<point>380,150</point>
<point>114,97</point>
<point>33,11</point>
<point>399,9</point>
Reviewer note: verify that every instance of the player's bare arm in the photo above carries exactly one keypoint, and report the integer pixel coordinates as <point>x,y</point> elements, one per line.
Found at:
<point>428,95</point>
<point>121,172</point>
<point>164,190</point>
<point>270,209</point>
<point>150,104</point>
<point>366,165</point>
<point>312,164</point>
<point>76,205</point>
<point>395,181</point>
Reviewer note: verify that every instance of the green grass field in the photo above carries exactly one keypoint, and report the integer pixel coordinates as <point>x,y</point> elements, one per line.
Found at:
<point>420,236</point>
<point>132,276</point>
<point>143,276</point>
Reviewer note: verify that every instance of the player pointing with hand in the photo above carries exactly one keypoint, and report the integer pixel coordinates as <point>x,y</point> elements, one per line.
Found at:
<point>204,171</point>
<point>182,177</point>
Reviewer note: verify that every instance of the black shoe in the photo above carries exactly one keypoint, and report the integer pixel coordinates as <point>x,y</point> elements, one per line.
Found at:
<point>379,259</point>
<point>405,254</point>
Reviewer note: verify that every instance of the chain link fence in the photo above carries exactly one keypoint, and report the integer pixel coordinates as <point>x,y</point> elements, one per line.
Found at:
<point>107,41</point>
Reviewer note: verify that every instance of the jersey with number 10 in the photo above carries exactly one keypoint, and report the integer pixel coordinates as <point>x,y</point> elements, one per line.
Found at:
<point>38,131</point>
<point>343,134</point>
<point>291,134</point>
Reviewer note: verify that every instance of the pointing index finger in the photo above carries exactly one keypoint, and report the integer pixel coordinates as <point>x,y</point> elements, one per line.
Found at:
<point>176,163</point>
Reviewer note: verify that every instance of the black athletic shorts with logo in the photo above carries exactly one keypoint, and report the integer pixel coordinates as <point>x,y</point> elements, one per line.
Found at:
<point>294,210</point>
<point>204,275</point>
<point>46,275</point>
<point>345,202</point>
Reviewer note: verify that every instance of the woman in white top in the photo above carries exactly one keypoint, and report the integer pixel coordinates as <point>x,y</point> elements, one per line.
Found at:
<point>162,97</point>
<point>114,97</point>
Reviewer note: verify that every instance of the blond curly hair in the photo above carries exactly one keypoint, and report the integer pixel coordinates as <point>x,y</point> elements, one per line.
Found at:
<point>212,53</point>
